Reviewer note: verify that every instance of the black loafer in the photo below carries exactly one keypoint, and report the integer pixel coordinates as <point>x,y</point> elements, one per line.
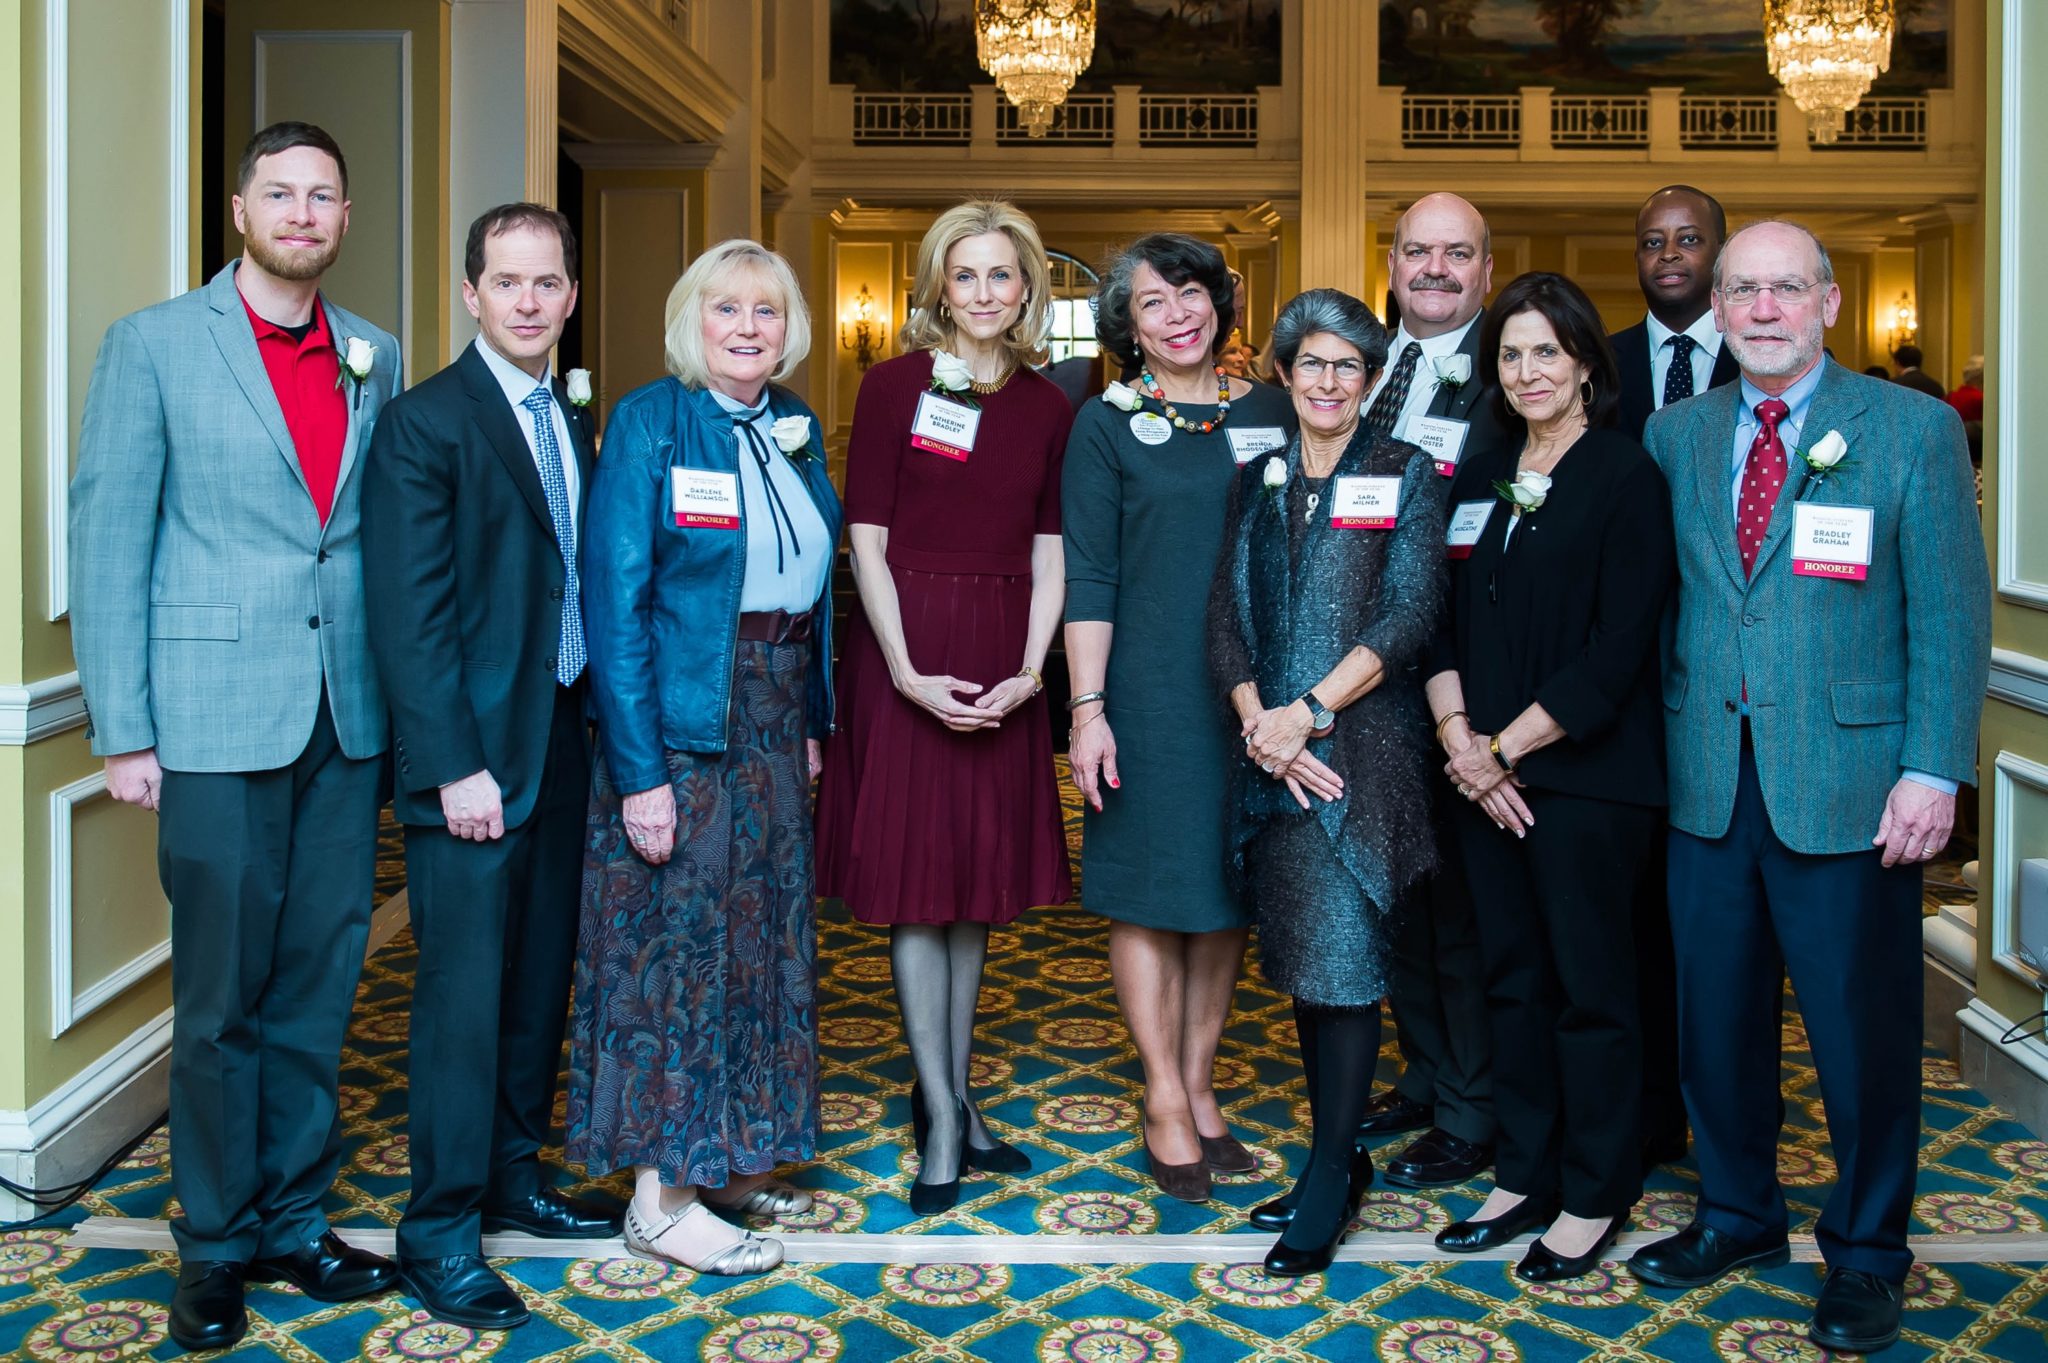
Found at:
<point>1437,1159</point>
<point>1472,1236</point>
<point>328,1269</point>
<point>553,1215</point>
<point>1699,1255</point>
<point>1858,1313</point>
<point>1392,1113</point>
<point>206,1309</point>
<point>463,1290</point>
<point>1542,1264</point>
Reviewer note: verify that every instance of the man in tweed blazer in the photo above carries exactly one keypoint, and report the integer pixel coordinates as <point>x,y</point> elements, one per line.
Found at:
<point>217,618</point>
<point>1823,689</point>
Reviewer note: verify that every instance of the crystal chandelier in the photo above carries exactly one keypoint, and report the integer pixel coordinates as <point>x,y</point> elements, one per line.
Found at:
<point>1035,49</point>
<point>1826,53</point>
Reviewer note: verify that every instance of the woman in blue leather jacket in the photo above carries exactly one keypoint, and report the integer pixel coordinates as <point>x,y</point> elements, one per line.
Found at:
<point>707,561</point>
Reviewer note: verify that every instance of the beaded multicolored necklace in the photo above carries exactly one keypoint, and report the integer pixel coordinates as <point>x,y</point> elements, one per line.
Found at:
<point>1194,427</point>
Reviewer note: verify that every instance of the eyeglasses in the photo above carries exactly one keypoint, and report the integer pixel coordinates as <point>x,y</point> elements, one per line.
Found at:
<point>1309,368</point>
<point>1791,292</point>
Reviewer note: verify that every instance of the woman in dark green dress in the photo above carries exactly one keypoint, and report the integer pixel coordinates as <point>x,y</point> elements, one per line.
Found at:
<point>1148,472</point>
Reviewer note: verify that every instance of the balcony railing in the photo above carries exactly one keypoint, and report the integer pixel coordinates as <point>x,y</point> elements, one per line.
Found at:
<point>1727,122</point>
<point>1208,120</point>
<point>1083,121</point>
<point>1461,120</point>
<point>1889,122</point>
<point>927,120</point>
<point>1600,121</point>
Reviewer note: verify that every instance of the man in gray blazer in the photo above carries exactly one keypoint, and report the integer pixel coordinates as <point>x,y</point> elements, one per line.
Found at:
<point>217,618</point>
<point>1823,685</point>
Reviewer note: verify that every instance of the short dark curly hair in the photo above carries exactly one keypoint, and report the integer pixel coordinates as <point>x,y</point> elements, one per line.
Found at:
<point>1579,330</point>
<point>1177,258</point>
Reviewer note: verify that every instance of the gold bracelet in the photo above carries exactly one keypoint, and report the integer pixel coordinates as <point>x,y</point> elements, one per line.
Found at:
<point>1082,725</point>
<point>1037,680</point>
<point>1445,723</point>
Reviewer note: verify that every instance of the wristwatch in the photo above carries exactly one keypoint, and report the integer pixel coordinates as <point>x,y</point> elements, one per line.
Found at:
<point>1321,717</point>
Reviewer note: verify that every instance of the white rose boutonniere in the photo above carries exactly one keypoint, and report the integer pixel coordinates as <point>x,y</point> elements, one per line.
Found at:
<point>1274,476</point>
<point>950,374</point>
<point>1453,371</point>
<point>1526,493</point>
<point>792,435</point>
<point>1122,396</point>
<point>358,358</point>
<point>579,387</point>
<point>1823,457</point>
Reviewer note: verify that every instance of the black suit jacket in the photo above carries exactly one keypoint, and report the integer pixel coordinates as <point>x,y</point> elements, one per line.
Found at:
<point>1920,381</point>
<point>1471,401</point>
<point>1638,393</point>
<point>464,581</point>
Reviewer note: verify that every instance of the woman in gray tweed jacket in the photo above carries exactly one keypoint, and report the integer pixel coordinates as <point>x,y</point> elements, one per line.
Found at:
<point>1323,602</point>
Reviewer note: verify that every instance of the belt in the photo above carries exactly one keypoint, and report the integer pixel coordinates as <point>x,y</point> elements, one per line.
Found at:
<point>775,627</point>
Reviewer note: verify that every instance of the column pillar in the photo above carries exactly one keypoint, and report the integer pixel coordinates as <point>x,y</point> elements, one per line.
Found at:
<point>733,46</point>
<point>1339,60</point>
<point>1945,248</point>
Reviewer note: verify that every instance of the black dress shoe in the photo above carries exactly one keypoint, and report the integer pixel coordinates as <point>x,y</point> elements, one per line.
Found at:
<point>206,1310</point>
<point>929,1199</point>
<point>1437,1159</point>
<point>1472,1236</point>
<point>1392,1113</point>
<point>1542,1264</point>
<point>1286,1261</point>
<point>328,1269</point>
<point>1858,1313</point>
<point>1699,1255</point>
<point>463,1290</point>
<point>1278,1214</point>
<point>553,1215</point>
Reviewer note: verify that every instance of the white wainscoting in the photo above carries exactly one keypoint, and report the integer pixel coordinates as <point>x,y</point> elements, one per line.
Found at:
<point>65,1137</point>
<point>71,1001</point>
<point>39,709</point>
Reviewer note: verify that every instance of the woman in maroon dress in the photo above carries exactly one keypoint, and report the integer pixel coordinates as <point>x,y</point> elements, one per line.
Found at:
<point>939,811</point>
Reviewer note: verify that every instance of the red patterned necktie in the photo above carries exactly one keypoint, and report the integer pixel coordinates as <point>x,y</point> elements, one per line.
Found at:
<point>1762,476</point>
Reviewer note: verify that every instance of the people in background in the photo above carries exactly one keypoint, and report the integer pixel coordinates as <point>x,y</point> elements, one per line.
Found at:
<point>218,621</point>
<point>472,500</point>
<point>707,567</point>
<point>1331,574</point>
<point>939,810</point>
<point>1146,481</point>
<point>1816,729</point>
<point>1908,358</point>
<point>1543,685</point>
<point>1968,399</point>
<point>1441,267</point>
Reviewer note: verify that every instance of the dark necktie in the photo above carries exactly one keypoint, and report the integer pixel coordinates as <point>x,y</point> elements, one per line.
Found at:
<point>1678,378</point>
<point>554,482</point>
<point>1386,408</point>
<point>1762,475</point>
<point>778,512</point>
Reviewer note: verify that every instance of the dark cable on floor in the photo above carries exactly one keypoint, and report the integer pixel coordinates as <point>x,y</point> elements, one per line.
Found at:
<point>55,1201</point>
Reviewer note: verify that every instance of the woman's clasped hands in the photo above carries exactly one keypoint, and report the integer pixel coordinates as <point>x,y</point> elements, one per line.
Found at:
<point>1481,779</point>
<point>1277,740</point>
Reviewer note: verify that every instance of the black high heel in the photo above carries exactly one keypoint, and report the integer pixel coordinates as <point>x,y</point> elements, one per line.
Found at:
<point>1545,1265</point>
<point>927,1199</point>
<point>1284,1261</point>
<point>1001,1158</point>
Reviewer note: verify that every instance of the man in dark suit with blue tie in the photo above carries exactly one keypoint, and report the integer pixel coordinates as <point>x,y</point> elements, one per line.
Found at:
<point>1822,687</point>
<point>470,517</point>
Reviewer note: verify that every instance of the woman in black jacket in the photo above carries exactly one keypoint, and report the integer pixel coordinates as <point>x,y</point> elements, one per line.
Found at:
<point>1544,690</point>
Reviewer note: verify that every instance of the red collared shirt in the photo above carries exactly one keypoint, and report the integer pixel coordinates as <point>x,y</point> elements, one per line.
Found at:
<point>303,375</point>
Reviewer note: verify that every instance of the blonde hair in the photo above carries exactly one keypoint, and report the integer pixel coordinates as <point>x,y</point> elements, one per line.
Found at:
<point>928,329</point>
<point>716,274</point>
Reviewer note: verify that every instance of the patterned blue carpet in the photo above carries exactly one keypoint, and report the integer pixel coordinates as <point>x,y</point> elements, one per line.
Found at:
<point>1059,1080</point>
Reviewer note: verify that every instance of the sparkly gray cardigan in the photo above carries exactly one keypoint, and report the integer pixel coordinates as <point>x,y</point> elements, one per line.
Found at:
<point>1291,598</point>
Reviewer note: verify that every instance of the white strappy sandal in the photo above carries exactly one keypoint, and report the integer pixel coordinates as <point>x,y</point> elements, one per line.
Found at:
<point>751,1253</point>
<point>772,1198</point>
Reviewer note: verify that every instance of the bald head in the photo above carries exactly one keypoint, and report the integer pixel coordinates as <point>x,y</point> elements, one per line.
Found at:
<point>1774,299</point>
<point>1440,264</point>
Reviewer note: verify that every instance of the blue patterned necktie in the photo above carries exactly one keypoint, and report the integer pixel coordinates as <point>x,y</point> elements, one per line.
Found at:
<point>1678,378</point>
<point>570,658</point>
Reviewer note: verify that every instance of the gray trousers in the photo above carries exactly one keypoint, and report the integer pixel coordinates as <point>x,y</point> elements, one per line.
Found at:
<point>269,874</point>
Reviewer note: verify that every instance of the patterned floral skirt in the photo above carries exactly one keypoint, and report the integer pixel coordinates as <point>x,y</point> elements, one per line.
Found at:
<point>694,1037</point>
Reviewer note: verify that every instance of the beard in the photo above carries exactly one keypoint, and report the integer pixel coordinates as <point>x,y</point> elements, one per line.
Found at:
<point>292,264</point>
<point>1776,362</point>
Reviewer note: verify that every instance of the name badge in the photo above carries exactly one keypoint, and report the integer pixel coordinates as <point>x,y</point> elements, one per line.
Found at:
<point>1249,442</point>
<point>1468,523</point>
<point>1362,503</point>
<point>705,497</point>
<point>1831,541</point>
<point>1151,428</point>
<point>1443,437</point>
<point>944,426</point>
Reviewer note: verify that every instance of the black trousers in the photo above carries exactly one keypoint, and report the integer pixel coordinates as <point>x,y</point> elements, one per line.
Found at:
<point>1436,988</point>
<point>270,875</point>
<point>1555,916</point>
<point>1745,909</point>
<point>496,927</point>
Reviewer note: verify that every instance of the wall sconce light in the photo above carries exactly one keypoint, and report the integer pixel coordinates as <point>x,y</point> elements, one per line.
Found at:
<point>857,329</point>
<point>1905,321</point>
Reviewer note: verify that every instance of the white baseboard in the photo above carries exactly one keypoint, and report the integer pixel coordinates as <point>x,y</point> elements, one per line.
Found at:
<point>2013,1075</point>
<point>69,1134</point>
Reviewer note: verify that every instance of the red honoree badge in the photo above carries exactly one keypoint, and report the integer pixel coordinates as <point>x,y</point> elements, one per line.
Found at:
<point>1468,523</point>
<point>1365,503</point>
<point>1831,541</point>
<point>704,498</point>
<point>944,427</point>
